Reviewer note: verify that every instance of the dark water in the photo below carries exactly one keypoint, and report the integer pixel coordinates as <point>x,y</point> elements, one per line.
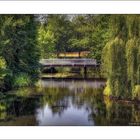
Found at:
<point>69,102</point>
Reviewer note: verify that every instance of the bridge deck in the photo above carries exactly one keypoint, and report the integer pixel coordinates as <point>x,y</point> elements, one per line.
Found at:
<point>68,62</point>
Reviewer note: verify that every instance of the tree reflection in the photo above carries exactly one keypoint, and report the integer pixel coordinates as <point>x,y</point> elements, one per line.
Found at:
<point>21,104</point>
<point>17,105</point>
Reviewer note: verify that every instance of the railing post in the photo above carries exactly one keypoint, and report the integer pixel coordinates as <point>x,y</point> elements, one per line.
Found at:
<point>85,72</point>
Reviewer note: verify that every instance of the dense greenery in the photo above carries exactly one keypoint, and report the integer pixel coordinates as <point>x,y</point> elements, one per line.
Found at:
<point>53,35</point>
<point>73,33</point>
<point>121,57</point>
<point>112,40</point>
<point>19,54</point>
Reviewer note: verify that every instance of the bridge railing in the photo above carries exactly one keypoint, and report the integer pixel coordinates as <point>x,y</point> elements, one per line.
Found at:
<point>81,61</point>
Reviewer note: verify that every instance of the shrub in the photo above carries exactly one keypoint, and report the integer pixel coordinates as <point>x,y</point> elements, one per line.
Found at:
<point>2,67</point>
<point>2,107</point>
<point>2,63</point>
<point>107,90</point>
<point>21,80</point>
<point>136,92</point>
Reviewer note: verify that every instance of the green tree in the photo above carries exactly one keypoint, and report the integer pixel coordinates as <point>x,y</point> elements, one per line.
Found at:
<point>81,37</point>
<point>120,58</point>
<point>132,52</point>
<point>46,42</point>
<point>90,33</point>
<point>54,34</point>
<point>114,60</point>
<point>100,35</point>
<point>19,48</point>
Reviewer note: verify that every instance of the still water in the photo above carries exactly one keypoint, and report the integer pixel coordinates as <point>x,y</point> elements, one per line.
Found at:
<point>65,102</point>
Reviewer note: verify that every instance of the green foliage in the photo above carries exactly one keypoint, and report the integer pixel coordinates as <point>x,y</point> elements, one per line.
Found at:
<point>107,90</point>
<point>53,35</point>
<point>90,32</point>
<point>2,107</point>
<point>22,41</point>
<point>138,66</point>
<point>100,36</point>
<point>21,80</point>
<point>118,26</point>
<point>133,26</point>
<point>18,46</point>
<point>2,63</point>
<point>46,41</point>
<point>2,72</point>
<point>67,33</point>
<point>131,55</point>
<point>120,57</point>
<point>136,92</point>
<point>115,63</point>
<point>132,52</point>
<point>81,38</point>
<point>2,67</point>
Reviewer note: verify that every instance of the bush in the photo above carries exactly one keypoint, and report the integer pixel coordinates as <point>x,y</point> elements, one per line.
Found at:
<point>2,63</point>
<point>21,80</point>
<point>2,107</point>
<point>107,90</point>
<point>2,67</point>
<point>136,92</point>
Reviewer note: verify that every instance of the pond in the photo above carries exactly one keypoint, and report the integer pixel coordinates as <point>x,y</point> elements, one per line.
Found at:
<point>65,103</point>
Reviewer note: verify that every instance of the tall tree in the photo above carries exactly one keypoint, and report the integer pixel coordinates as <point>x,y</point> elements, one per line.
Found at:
<point>121,57</point>
<point>19,47</point>
<point>114,60</point>
<point>81,37</point>
<point>100,35</point>
<point>54,34</point>
<point>90,33</point>
<point>132,52</point>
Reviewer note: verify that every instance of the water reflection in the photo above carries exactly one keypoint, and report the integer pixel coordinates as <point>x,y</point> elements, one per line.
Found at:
<point>68,102</point>
<point>64,116</point>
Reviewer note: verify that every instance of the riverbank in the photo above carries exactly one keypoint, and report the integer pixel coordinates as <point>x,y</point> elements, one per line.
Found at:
<point>125,100</point>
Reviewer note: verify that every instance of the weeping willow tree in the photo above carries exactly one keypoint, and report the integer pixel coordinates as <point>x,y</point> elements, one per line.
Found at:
<point>121,55</point>
<point>113,58</point>
<point>116,71</point>
<point>133,55</point>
